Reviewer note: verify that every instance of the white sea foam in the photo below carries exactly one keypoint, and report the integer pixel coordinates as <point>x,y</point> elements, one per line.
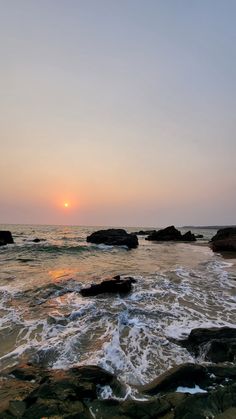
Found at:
<point>105,392</point>
<point>104,247</point>
<point>191,390</point>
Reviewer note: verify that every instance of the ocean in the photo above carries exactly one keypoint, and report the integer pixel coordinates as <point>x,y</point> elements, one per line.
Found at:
<point>44,319</point>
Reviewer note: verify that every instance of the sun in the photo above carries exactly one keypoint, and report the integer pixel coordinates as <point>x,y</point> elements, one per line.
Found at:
<point>66,205</point>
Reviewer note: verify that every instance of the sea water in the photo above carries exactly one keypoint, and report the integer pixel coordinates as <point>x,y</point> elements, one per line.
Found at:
<point>44,319</point>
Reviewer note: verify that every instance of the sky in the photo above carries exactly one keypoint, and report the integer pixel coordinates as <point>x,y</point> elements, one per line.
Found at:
<point>123,109</point>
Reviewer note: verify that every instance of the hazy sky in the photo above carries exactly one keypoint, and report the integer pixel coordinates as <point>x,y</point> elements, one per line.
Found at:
<point>124,109</point>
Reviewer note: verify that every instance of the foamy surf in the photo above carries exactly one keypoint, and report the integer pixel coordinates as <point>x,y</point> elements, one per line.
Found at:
<point>179,287</point>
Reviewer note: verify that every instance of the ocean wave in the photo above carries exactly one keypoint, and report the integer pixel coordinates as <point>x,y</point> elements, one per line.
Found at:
<point>59,249</point>
<point>46,248</point>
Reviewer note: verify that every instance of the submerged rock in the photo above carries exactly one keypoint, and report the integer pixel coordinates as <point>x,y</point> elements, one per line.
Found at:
<point>170,234</point>
<point>114,237</point>
<point>224,240</point>
<point>37,240</point>
<point>215,344</point>
<point>5,237</point>
<point>115,285</point>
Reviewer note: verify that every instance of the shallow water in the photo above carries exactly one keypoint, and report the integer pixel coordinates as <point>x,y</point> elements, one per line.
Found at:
<point>43,317</point>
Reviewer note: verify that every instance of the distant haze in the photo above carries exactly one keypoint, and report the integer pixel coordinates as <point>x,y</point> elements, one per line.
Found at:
<point>122,109</point>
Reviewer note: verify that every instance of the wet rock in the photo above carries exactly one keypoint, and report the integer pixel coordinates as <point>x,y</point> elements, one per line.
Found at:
<point>114,237</point>
<point>223,350</point>
<point>224,240</point>
<point>115,285</point>
<point>27,372</point>
<point>199,236</point>
<point>170,234</point>
<point>5,237</point>
<point>107,409</point>
<point>37,240</point>
<point>209,405</point>
<point>227,414</point>
<point>147,408</point>
<point>221,374</point>
<point>216,344</point>
<point>53,392</point>
<point>17,408</point>
<point>13,390</point>
<point>31,392</point>
<point>186,375</point>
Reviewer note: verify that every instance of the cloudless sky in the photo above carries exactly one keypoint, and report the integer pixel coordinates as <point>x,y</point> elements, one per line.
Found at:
<point>124,109</point>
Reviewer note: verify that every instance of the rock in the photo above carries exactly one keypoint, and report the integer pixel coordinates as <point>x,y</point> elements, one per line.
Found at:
<point>17,408</point>
<point>228,414</point>
<point>37,240</point>
<point>186,375</point>
<point>170,234</point>
<point>224,240</point>
<point>166,234</point>
<point>33,392</point>
<point>115,285</point>
<point>216,344</point>
<point>208,405</point>
<point>145,409</point>
<point>189,237</point>
<point>144,232</point>
<point>223,350</point>
<point>5,237</point>
<point>114,237</point>
<point>199,236</point>
<point>222,372</point>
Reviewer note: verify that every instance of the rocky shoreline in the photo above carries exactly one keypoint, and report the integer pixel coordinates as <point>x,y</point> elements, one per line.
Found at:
<point>185,391</point>
<point>204,388</point>
<point>200,390</point>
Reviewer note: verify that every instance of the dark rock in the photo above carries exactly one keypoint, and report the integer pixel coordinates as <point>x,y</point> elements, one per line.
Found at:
<point>144,232</point>
<point>5,237</point>
<point>223,350</point>
<point>182,375</point>
<point>189,237</point>
<point>208,405</point>
<point>27,372</point>
<point>114,237</point>
<point>17,408</point>
<point>145,409</point>
<point>53,393</point>
<point>166,234</point>
<point>170,234</point>
<point>222,372</point>
<point>216,344</point>
<point>32,392</point>
<point>115,285</point>
<point>199,236</point>
<point>224,240</point>
<point>37,240</point>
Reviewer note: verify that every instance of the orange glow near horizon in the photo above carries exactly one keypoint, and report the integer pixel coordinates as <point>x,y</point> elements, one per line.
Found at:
<point>66,205</point>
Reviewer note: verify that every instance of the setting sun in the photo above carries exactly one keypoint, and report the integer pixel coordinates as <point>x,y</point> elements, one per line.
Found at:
<point>66,205</point>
